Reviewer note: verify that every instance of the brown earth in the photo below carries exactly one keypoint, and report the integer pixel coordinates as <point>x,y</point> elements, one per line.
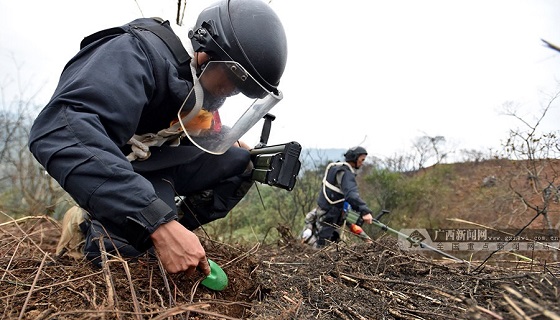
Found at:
<point>287,280</point>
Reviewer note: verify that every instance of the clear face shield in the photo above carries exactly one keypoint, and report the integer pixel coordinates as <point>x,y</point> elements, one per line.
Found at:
<point>223,105</point>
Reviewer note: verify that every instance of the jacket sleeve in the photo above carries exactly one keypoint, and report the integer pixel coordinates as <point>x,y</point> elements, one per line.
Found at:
<point>350,188</point>
<point>76,137</point>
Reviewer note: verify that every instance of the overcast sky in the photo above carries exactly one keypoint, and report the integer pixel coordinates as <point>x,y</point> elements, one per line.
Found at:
<point>376,73</point>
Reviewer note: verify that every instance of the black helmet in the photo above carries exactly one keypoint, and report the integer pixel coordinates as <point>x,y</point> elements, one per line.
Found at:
<point>354,153</point>
<point>247,32</point>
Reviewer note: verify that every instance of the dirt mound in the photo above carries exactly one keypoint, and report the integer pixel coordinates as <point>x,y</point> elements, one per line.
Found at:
<point>285,281</point>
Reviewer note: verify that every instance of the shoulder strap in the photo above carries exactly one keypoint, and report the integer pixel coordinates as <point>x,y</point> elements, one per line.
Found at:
<point>330,186</point>
<point>168,37</point>
<point>100,35</point>
<point>161,31</point>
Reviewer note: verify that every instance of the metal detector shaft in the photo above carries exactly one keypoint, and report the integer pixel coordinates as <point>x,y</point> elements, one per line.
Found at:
<point>384,227</point>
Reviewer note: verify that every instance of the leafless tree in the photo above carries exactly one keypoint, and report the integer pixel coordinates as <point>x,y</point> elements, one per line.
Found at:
<point>399,163</point>
<point>537,153</point>
<point>24,186</point>
<point>429,150</point>
<point>476,156</point>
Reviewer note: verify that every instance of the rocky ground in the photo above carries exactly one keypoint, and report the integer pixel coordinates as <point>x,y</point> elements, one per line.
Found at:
<point>284,281</point>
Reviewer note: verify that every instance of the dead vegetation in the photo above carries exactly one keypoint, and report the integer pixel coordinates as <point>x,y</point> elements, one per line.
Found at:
<point>285,281</point>
<point>292,281</point>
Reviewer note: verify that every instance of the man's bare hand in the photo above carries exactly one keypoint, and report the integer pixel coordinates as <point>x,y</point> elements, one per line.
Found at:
<point>179,250</point>
<point>368,218</point>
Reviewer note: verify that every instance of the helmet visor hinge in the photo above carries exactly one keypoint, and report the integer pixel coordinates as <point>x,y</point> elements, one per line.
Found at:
<point>204,36</point>
<point>205,32</point>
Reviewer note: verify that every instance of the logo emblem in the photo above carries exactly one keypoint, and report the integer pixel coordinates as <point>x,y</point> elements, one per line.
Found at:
<point>415,238</point>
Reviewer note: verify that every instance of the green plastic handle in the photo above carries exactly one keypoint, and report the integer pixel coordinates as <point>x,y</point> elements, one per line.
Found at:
<point>217,279</point>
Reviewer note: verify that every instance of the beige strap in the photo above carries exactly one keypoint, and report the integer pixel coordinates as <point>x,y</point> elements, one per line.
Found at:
<point>140,144</point>
<point>332,187</point>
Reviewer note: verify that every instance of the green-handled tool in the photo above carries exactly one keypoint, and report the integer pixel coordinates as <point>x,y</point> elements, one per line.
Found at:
<point>217,279</point>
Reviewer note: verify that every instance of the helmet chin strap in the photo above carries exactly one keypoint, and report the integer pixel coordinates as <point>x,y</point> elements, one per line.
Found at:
<point>140,144</point>
<point>198,92</point>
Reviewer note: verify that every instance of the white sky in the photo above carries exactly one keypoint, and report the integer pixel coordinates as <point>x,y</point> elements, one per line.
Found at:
<point>379,73</point>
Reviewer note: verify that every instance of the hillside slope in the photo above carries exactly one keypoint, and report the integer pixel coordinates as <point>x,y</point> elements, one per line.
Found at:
<point>496,193</point>
<point>289,280</point>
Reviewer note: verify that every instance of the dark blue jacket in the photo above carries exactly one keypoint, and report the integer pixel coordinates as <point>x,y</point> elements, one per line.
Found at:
<point>347,185</point>
<point>115,87</point>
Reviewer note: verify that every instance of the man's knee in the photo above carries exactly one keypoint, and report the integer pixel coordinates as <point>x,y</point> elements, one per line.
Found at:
<point>204,207</point>
<point>238,160</point>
